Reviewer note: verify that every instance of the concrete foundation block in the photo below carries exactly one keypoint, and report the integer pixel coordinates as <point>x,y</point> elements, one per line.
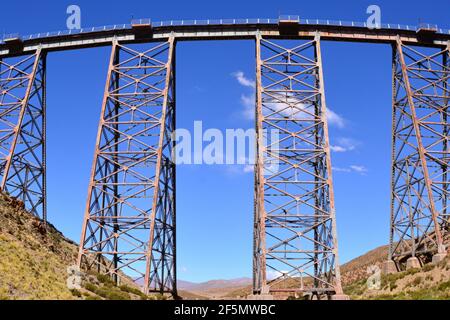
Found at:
<point>389,267</point>
<point>438,257</point>
<point>412,263</point>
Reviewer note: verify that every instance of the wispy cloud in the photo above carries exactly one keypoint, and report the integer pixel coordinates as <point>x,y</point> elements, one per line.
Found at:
<point>340,169</point>
<point>288,106</point>
<point>335,119</point>
<point>273,274</point>
<point>344,145</point>
<point>248,102</point>
<point>360,169</point>
<point>243,80</point>
<point>337,148</point>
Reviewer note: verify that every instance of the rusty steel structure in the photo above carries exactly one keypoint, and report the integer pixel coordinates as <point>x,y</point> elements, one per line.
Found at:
<point>129,220</point>
<point>295,233</point>
<point>129,226</point>
<point>420,177</point>
<point>22,130</point>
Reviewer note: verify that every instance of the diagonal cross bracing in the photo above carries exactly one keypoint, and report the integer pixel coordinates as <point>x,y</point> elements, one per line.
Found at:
<point>22,130</point>
<point>129,225</point>
<point>420,181</point>
<point>295,246</point>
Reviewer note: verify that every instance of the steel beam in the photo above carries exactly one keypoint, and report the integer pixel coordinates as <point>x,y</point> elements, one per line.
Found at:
<point>420,153</point>
<point>296,243</point>
<point>22,130</point>
<point>129,224</point>
<point>55,42</point>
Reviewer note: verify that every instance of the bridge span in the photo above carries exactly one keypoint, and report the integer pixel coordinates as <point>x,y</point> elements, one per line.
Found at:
<point>229,29</point>
<point>129,224</point>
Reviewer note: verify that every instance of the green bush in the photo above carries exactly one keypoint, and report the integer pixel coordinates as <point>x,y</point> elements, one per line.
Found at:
<point>76,293</point>
<point>105,279</point>
<point>444,286</point>
<point>412,271</point>
<point>417,281</point>
<point>91,287</point>
<point>111,293</point>
<point>160,297</point>
<point>134,291</point>
<point>428,267</point>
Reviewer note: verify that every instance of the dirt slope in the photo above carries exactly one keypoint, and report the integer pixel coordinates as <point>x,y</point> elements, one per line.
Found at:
<point>34,258</point>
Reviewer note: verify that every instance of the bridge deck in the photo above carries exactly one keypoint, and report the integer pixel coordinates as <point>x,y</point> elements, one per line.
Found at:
<point>226,29</point>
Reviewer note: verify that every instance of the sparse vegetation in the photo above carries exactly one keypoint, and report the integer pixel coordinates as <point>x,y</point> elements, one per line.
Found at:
<point>428,282</point>
<point>35,257</point>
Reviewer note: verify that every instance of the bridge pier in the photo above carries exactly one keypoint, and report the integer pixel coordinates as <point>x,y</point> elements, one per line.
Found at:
<point>22,130</point>
<point>129,224</point>
<point>389,267</point>
<point>295,223</point>
<point>420,177</point>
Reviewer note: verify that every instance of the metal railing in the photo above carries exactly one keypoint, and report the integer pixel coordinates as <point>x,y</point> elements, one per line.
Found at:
<point>206,22</point>
<point>141,22</point>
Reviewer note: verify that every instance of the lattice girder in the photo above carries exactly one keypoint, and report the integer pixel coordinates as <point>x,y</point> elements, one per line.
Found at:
<point>22,130</point>
<point>419,212</point>
<point>296,245</point>
<point>129,221</point>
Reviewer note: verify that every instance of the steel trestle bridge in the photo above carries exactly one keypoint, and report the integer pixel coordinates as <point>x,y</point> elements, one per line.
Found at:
<point>129,226</point>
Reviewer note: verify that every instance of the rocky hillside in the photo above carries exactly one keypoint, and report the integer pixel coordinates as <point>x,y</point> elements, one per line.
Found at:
<point>428,282</point>
<point>34,258</point>
<point>356,269</point>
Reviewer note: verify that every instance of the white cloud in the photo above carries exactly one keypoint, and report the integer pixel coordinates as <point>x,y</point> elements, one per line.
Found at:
<point>243,80</point>
<point>344,145</point>
<point>338,149</point>
<point>273,274</point>
<point>248,101</point>
<point>248,168</point>
<point>339,169</point>
<point>353,168</point>
<point>359,169</point>
<point>335,119</point>
<point>288,106</point>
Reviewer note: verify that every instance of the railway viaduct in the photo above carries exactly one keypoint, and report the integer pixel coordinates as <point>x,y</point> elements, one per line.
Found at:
<point>130,217</point>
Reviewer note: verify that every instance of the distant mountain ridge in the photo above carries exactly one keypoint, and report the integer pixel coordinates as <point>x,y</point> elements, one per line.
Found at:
<point>213,284</point>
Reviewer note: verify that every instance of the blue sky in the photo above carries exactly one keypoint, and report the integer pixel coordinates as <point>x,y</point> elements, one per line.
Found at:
<point>215,202</point>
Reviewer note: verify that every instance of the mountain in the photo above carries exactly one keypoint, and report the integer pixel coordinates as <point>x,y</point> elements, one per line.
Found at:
<point>213,284</point>
<point>213,289</point>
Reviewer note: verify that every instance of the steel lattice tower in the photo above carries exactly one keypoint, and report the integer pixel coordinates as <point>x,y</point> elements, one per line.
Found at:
<point>129,225</point>
<point>295,227</point>
<point>22,130</point>
<point>129,222</point>
<point>420,177</point>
